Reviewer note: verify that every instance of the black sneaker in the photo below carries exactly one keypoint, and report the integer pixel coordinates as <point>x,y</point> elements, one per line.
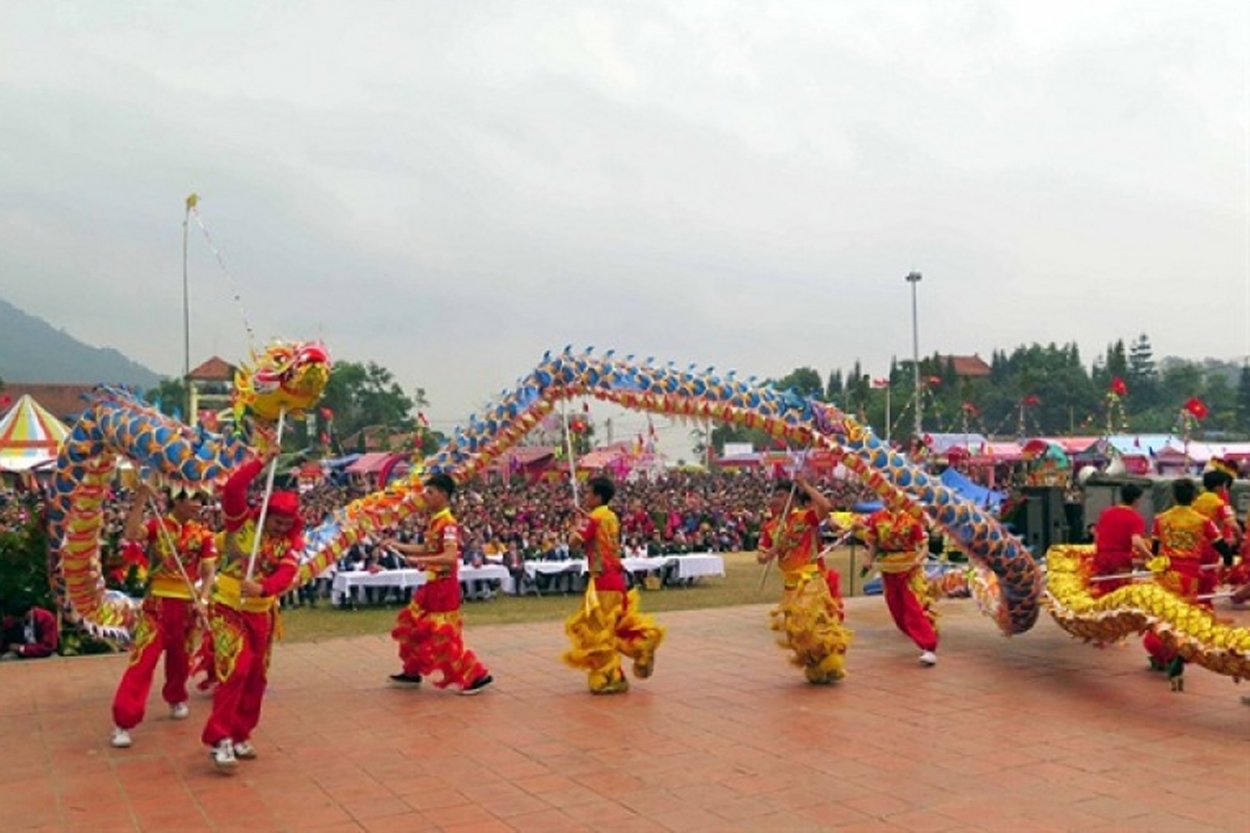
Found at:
<point>478,685</point>
<point>406,679</point>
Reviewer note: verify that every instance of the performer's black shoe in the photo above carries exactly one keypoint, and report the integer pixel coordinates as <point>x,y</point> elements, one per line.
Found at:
<point>406,679</point>
<point>478,685</point>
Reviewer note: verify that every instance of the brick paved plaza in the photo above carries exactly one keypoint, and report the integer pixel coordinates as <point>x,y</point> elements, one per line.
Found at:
<point>1030,733</point>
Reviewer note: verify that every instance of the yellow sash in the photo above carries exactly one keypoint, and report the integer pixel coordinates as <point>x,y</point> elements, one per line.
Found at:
<point>229,591</point>
<point>169,587</point>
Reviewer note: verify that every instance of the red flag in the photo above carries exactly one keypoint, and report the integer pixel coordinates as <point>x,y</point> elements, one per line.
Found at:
<point>933,381</point>
<point>1031,400</point>
<point>325,438</point>
<point>971,409</point>
<point>1118,387</point>
<point>880,383</point>
<point>1196,408</point>
<point>327,414</point>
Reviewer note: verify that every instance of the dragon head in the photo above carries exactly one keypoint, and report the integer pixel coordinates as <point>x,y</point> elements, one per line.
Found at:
<point>285,377</point>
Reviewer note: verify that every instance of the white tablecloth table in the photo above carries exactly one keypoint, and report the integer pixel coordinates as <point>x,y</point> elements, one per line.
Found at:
<point>699,564</point>
<point>409,578</point>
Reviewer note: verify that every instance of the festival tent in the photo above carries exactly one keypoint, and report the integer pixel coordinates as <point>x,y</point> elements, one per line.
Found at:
<point>1177,453</point>
<point>970,491</point>
<point>1068,445</point>
<point>943,443</point>
<point>1137,451</point>
<point>370,463</point>
<point>29,436</point>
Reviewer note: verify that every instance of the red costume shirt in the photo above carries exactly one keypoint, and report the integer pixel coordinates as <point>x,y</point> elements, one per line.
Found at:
<point>193,544</point>
<point>795,540</point>
<point>1113,534</point>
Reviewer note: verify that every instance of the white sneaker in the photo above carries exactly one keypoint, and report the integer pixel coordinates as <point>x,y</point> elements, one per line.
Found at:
<point>244,751</point>
<point>179,711</point>
<point>121,738</point>
<point>223,756</point>
<point>928,658</point>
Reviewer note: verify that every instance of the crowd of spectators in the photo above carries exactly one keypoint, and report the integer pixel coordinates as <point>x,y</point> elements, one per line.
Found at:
<point>513,522</point>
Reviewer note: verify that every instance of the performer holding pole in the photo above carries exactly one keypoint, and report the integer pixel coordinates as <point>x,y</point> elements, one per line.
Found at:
<point>896,544</point>
<point>177,547</point>
<point>612,624</point>
<point>244,614</point>
<point>810,614</point>
<point>430,630</point>
<point>1181,538</point>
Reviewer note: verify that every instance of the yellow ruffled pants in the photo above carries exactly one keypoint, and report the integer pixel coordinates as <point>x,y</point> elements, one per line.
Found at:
<point>809,620</point>
<point>610,624</point>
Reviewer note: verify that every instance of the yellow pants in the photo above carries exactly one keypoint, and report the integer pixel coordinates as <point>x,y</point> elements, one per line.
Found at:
<point>809,619</point>
<point>606,627</point>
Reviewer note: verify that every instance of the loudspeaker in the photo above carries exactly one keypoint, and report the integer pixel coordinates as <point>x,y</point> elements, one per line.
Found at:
<point>1046,522</point>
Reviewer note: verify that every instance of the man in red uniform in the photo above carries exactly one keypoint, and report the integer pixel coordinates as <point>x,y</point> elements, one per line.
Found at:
<point>245,610</point>
<point>610,623</point>
<point>430,631</point>
<point>1119,540</point>
<point>179,552</point>
<point>896,543</point>
<point>1181,538</point>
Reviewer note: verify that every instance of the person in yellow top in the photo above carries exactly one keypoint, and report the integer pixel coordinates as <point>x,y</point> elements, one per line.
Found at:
<point>1181,538</point>
<point>896,543</point>
<point>810,614</point>
<point>1216,505</point>
<point>610,622</point>
<point>180,552</point>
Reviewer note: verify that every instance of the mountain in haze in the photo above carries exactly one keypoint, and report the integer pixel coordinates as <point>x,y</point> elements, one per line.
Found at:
<point>32,350</point>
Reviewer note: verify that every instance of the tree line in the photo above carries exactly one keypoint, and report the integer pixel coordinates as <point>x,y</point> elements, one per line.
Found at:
<point>1036,390</point>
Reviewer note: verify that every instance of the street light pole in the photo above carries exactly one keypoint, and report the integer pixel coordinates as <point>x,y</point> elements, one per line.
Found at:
<point>913,278</point>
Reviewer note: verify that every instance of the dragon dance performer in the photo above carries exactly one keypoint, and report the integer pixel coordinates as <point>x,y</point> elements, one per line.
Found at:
<point>244,614</point>
<point>430,630</point>
<point>610,623</point>
<point>897,545</point>
<point>179,550</point>
<point>1215,503</point>
<point>1181,538</point>
<point>810,614</point>
<point>1119,540</point>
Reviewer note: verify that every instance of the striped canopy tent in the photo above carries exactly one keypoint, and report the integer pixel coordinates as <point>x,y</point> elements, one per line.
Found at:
<point>29,436</point>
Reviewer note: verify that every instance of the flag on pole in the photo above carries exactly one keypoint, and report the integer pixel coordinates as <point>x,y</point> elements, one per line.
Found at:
<point>880,383</point>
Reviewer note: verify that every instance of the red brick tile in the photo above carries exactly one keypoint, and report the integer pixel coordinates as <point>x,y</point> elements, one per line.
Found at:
<point>1038,732</point>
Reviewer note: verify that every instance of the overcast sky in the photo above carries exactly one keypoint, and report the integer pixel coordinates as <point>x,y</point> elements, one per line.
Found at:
<point>452,188</point>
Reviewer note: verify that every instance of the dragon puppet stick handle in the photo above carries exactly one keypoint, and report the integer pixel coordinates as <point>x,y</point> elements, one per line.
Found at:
<point>785,513</point>
<point>264,506</point>
<point>169,542</point>
<point>568,449</point>
<point>1144,574</point>
<point>592,596</point>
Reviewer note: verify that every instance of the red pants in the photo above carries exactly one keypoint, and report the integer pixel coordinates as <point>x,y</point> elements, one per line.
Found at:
<point>430,636</point>
<point>1184,579</point>
<point>1110,563</point>
<point>165,626</point>
<point>241,642</point>
<point>909,612</point>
